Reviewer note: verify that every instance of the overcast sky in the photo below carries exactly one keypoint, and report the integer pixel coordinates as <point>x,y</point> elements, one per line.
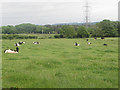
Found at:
<point>15,12</point>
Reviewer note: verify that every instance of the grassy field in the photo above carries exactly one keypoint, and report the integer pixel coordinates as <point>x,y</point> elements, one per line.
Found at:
<point>39,36</point>
<point>57,63</point>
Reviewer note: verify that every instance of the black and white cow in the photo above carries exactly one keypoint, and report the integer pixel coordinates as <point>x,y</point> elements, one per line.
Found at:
<point>89,43</point>
<point>11,51</point>
<point>36,42</point>
<point>76,44</point>
<point>19,43</point>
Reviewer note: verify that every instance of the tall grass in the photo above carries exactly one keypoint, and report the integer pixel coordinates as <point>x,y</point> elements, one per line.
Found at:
<point>57,63</point>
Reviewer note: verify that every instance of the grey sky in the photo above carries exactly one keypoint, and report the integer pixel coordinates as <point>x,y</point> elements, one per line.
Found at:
<point>56,11</point>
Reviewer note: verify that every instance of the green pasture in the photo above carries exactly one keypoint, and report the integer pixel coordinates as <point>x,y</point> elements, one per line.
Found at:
<point>57,63</point>
<point>40,36</point>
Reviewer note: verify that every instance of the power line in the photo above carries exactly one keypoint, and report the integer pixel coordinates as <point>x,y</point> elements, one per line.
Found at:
<point>86,14</point>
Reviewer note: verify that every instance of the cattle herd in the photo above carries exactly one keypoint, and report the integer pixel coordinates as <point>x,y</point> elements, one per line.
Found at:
<point>21,42</point>
<point>17,49</point>
<point>76,44</point>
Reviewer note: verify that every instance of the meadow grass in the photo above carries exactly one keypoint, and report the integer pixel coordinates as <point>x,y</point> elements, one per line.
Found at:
<point>57,63</point>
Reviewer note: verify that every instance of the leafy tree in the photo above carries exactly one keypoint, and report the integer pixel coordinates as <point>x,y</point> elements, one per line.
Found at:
<point>97,32</point>
<point>8,29</point>
<point>38,29</point>
<point>46,30</point>
<point>119,28</point>
<point>68,31</point>
<point>82,32</point>
<point>26,28</point>
<point>108,28</point>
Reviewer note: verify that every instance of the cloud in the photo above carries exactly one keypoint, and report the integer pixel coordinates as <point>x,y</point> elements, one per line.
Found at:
<point>41,0</point>
<point>56,11</point>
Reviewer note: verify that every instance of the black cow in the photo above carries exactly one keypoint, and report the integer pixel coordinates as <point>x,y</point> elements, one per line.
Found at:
<point>95,38</point>
<point>105,44</point>
<point>102,38</point>
<point>86,39</point>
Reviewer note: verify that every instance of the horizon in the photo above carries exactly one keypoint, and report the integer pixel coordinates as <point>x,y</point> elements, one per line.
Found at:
<point>64,23</point>
<point>67,23</point>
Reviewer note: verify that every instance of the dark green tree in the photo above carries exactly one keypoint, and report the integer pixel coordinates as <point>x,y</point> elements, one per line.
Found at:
<point>8,29</point>
<point>82,32</point>
<point>68,31</point>
<point>108,28</point>
<point>26,28</point>
<point>38,29</point>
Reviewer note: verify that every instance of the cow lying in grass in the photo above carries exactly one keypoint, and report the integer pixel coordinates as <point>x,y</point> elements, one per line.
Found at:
<point>89,43</point>
<point>76,44</point>
<point>95,38</point>
<point>102,38</point>
<point>21,42</point>
<point>105,44</point>
<point>11,51</point>
<point>36,42</point>
<point>86,39</point>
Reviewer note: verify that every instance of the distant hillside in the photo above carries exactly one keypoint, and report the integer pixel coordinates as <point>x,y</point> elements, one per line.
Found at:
<point>75,23</point>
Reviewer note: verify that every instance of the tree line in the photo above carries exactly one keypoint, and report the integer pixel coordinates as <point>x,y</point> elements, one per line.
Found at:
<point>105,28</point>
